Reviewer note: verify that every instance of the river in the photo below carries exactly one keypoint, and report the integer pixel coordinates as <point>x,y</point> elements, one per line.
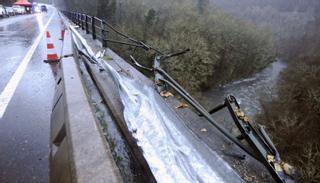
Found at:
<point>248,91</point>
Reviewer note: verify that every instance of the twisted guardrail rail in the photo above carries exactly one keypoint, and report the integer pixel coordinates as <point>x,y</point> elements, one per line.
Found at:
<point>260,147</point>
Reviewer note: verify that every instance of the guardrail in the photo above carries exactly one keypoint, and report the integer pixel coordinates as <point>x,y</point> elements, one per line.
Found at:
<point>99,29</point>
<point>92,61</point>
<point>92,25</point>
<point>261,147</point>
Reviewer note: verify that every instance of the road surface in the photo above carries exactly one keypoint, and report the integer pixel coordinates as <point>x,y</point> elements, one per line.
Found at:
<point>26,94</point>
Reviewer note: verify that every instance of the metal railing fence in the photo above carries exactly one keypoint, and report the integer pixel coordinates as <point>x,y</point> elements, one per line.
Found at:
<point>99,29</point>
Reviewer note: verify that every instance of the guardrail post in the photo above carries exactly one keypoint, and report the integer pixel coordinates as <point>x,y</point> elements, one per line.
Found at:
<point>82,21</point>
<point>103,34</point>
<point>87,27</point>
<point>93,27</point>
<point>75,18</point>
<point>78,19</point>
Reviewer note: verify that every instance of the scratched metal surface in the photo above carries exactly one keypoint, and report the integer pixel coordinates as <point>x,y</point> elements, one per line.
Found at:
<point>173,153</point>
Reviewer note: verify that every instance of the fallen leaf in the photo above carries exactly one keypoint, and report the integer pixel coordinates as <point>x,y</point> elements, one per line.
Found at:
<point>166,94</point>
<point>271,158</point>
<point>240,114</point>
<point>246,119</point>
<point>182,106</point>
<point>288,169</point>
<point>107,57</point>
<point>203,130</point>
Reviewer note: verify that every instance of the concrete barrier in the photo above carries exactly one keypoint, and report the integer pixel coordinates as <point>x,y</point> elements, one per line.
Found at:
<point>78,150</point>
<point>113,103</point>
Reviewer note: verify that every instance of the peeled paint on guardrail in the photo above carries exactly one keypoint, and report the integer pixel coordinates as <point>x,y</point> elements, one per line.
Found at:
<point>168,147</point>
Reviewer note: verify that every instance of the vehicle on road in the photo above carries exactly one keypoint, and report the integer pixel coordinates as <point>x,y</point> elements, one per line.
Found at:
<point>3,12</point>
<point>19,10</point>
<point>10,11</point>
<point>44,8</point>
<point>36,8</point>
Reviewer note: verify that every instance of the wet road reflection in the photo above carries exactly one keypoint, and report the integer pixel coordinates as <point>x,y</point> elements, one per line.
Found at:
<point>24,128</point>
<point>15,39</point>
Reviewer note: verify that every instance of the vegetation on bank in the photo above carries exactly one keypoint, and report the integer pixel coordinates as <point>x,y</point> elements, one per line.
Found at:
<point>223,48</point>
<point>293,117</point>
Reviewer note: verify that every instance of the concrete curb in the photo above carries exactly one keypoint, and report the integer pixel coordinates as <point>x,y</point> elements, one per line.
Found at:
<point>112,101</point>
<point>78,150</point>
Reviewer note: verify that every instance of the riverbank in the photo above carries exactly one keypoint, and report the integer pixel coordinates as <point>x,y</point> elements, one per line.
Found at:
<point>248,91</point>
<point>293,117</point>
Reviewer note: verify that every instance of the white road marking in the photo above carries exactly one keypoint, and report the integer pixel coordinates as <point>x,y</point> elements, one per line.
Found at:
<point>7,93</point>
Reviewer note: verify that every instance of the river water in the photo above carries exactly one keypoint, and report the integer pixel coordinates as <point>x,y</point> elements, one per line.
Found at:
<point>248,91</point>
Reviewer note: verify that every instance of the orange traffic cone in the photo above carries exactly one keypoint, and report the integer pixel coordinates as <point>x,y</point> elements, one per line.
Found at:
<point>52,55</point>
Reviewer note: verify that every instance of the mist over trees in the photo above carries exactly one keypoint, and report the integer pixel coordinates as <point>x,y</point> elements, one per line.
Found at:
<point>288,20</point>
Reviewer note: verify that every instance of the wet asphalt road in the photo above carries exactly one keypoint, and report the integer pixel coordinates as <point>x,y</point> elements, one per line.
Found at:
<point>24,127</point>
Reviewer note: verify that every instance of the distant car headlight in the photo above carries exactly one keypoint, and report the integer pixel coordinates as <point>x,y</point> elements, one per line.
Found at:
<point>37,9</point>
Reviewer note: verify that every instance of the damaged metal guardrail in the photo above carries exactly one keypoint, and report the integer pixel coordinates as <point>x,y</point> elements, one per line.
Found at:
<point>261,146</point>
<point>168,150</point>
